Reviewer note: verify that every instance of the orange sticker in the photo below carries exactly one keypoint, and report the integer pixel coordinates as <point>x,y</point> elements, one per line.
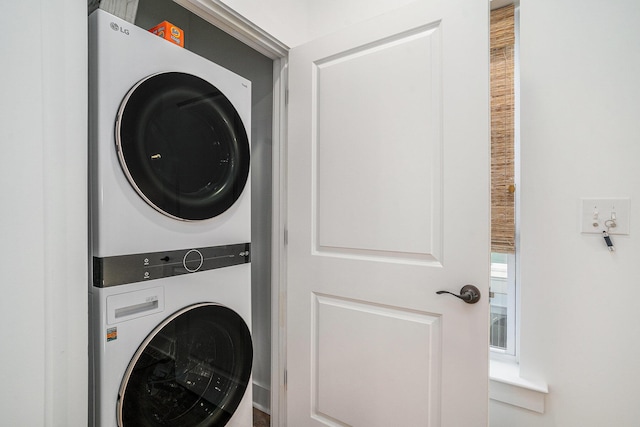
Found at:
<point>112,334</point>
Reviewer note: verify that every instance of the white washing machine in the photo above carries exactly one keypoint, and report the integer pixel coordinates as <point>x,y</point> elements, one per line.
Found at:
<point>167,353</point>
<point>170,229</point>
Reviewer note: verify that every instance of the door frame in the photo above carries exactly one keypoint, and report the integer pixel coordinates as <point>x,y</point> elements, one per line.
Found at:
<point>228,20</point>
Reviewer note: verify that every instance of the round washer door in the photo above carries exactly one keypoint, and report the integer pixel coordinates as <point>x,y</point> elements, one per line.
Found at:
<point>192,370</point>
<point>182,146</point>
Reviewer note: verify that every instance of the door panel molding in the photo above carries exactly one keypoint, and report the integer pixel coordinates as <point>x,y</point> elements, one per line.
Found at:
<point>386,334</point>
<point>355,168</point>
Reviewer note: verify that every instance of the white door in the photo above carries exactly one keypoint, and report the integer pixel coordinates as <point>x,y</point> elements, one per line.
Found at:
<point>388,202</point>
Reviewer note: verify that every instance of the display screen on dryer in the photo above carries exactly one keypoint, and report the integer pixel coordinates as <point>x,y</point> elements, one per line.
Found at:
<point>182,146</point>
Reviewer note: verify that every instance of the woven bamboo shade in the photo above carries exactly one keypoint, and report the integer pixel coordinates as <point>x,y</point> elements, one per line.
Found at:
<point>502,131</point>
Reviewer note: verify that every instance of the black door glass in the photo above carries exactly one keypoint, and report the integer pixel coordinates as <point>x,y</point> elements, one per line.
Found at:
<point>192,372</point>
<point>182,146</point>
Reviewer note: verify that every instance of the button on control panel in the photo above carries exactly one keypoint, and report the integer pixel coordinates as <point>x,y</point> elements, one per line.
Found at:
<point>193,260</point>
<point>119,270</point>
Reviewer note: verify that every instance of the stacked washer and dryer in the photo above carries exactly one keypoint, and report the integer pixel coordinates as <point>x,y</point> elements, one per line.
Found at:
<point>170,294</point>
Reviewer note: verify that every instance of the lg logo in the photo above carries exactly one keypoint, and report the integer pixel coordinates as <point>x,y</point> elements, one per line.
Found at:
<point>116,27</point>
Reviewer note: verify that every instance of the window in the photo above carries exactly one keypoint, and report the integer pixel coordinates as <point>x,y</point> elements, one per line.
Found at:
<point>503,179</point>
<point>502,316</point>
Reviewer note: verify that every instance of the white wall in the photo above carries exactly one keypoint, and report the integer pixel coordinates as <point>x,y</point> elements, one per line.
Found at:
<point>43,219</point>
<point>580,80</point>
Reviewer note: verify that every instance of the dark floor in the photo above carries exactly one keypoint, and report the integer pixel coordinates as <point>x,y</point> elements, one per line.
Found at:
<point>260,419</point>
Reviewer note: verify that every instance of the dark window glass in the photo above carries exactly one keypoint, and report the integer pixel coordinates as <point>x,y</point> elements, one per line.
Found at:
<point>192,372</point>
<point>183,146</point>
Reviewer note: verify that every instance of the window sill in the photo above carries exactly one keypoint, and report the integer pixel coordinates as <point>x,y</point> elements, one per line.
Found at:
<point>506,385</point>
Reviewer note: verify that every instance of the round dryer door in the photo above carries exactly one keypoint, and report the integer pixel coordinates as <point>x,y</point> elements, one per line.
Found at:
<point>192,370</point>
<point>182,146</point>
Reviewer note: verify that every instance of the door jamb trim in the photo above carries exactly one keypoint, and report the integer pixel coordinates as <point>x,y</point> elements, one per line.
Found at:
<point>228,20</point>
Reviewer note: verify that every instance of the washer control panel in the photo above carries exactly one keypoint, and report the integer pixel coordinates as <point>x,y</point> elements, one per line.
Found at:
<point>123,269</point>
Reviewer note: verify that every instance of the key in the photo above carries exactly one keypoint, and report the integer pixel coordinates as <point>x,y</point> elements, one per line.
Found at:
<point>608,241</point>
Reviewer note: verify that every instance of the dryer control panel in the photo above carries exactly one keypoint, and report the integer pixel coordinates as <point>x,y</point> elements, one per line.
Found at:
<point>123,269</point>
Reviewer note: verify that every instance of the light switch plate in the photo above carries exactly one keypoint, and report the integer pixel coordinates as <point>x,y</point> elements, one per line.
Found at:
<point>598,215</point>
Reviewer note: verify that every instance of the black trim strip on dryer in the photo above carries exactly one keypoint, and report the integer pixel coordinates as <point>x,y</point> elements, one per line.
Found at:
<point>123,269</point>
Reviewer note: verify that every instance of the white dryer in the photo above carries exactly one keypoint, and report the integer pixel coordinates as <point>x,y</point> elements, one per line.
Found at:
<point>170,228</point>
<point>169,145</point>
